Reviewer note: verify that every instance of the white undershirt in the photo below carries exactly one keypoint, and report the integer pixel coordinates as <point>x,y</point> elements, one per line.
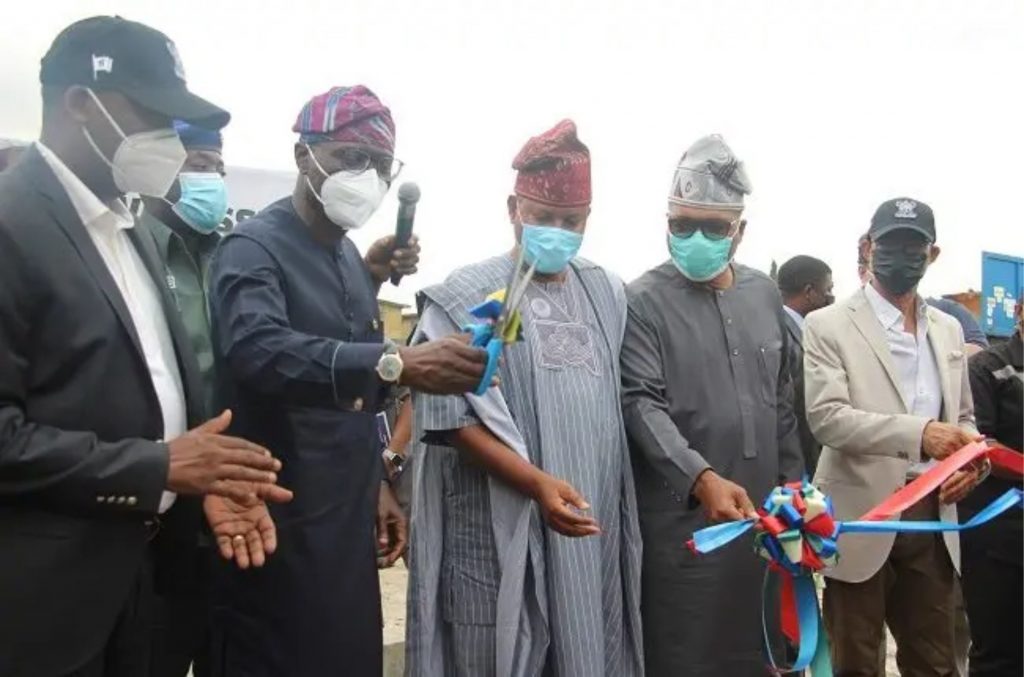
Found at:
<point>918,373</point>
<point>108,226</point>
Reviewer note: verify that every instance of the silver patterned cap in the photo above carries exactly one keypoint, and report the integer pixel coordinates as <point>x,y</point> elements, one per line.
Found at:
<point>710,175</point>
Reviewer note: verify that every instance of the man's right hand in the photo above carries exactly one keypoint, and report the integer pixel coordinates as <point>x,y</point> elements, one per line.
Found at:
<point>448,366</point>
<point>942,439</point>
<point>723,501</point>
<point>203,461</point>
<point>557,500</point>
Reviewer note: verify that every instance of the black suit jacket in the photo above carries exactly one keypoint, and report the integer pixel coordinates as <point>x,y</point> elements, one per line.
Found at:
<point>809,446</point>
<point>80,468</point>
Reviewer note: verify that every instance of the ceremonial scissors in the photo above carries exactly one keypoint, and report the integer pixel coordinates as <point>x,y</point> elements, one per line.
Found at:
<point>501,320</point>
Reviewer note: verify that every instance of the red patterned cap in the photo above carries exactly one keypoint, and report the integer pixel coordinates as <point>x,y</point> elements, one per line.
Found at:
<point>554,168</point>
<point>352,114</point>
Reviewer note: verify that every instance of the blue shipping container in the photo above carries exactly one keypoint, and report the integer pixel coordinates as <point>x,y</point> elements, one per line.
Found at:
<point>1002,281</point>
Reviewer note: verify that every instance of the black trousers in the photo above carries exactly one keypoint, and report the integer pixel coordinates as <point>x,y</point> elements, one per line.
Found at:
<point>181,636</point>
<point>993,584</point>
<point>127,652</point>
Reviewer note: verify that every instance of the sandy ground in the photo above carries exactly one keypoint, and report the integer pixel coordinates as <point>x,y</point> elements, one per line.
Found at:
<point>393,585</point>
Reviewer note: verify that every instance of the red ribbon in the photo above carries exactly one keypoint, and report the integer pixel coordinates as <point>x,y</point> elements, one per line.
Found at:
<point>933,478</point>
<point>1006,459</point>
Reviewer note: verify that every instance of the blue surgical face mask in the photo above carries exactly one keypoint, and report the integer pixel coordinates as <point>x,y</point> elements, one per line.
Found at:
<point>550,248</point>
<point>698,257</point>
<point>204,200</point>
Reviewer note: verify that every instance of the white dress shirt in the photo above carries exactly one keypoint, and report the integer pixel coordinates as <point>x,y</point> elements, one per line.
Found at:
<point>107,225</point>
<point>912,356</point>
<point>797,317</point>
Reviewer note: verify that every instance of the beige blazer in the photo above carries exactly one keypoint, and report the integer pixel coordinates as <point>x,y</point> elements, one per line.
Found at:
<point>856,411</point>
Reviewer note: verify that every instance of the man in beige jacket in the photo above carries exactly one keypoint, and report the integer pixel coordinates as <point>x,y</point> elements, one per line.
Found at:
<point>888,395</point>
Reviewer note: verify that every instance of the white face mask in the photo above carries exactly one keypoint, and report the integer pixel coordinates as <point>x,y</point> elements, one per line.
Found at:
<point>146,163</point>
<point>349,200</point>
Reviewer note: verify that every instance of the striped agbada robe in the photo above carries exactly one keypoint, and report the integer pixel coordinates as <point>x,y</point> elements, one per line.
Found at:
<point>492,590</point>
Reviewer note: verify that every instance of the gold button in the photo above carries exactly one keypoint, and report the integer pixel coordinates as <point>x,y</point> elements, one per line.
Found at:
<point>111,499</point>
<point>121,500</point>
<point>132,500</point>
<point>100,499</point>
<point>357,405</point>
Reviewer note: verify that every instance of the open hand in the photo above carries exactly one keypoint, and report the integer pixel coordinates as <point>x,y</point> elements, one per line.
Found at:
<point>244,533</point>
<point>559,503</point>
<point>205,461</point>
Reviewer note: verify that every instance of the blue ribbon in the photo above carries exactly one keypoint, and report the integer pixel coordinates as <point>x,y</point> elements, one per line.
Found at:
<point>813,651</point>
<point>1011,498</point>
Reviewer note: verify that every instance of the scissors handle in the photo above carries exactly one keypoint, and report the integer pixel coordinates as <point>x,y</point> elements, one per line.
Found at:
<point>494,347</point>
<point>480,333</point>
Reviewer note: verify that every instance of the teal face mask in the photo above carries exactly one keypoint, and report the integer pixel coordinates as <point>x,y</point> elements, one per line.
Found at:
<point>204,200</point>
<point>699,258</point>
<point>550,248</point>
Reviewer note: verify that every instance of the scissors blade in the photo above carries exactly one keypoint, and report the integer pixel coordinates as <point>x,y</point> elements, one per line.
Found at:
<point>516,267</point>
<point>513,297</point>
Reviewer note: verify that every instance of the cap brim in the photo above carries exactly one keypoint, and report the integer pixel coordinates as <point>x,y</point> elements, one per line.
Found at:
<point>892,227</point>
<point>179,104</point>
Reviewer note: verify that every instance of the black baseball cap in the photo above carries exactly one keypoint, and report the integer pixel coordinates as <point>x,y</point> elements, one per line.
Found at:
<point>114,54</point>
<point>903,213</point>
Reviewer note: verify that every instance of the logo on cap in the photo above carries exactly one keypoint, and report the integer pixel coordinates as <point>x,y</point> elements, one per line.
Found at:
<point>101,64</point>
<point>179,68</point>
<point>905,209</point>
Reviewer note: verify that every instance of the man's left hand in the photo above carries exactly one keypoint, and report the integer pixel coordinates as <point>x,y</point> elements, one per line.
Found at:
<point>392,528</point>
<point>244,533</point>
<point>383,259</point>
<point>961,483</point>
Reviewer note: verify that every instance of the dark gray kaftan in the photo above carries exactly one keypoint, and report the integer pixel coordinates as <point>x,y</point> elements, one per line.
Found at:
<point>705,383</point>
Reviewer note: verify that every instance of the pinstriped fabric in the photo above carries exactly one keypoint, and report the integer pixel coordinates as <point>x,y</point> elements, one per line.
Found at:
<point>569,417</point>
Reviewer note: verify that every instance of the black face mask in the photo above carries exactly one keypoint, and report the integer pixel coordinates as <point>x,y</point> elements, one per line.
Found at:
<point>896,269</point>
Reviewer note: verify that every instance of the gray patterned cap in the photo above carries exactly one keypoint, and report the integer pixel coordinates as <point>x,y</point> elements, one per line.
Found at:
<point>709,175</point>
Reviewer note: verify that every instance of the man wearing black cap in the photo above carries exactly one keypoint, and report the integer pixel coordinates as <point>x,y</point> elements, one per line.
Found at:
<point>97,371</point>
<point>887,395</point>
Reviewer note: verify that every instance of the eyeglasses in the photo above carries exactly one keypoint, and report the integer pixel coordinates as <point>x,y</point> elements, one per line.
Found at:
<point>357,161</point>
<point>713,229</point>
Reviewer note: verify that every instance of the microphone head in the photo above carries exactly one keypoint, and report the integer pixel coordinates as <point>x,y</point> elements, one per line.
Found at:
<point>409,193</point>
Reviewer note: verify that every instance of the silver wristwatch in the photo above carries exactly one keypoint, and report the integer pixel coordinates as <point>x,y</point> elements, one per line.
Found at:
<point>389,367</point>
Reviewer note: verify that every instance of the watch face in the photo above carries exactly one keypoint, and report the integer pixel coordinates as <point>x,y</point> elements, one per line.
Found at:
<point>390,368</point>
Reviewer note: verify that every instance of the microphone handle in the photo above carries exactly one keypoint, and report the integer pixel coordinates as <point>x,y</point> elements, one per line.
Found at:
<point>402,233</point>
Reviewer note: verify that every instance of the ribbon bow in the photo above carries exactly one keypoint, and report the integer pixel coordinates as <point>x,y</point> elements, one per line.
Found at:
<point>797,533</point>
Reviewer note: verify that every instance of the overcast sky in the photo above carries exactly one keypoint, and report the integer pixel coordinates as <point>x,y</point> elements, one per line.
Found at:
<point>834,107</point>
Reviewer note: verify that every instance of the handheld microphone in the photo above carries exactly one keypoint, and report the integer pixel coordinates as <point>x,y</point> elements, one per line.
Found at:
<point>408,196</point>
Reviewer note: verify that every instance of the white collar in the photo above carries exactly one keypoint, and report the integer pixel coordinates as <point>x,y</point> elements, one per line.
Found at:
<point>889,315</point>
<point>90,209</point>
<point>797,317</point>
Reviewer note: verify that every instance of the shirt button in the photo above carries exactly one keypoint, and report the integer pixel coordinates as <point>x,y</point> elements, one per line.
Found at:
<point>100,499</point>
<point>735,352</point>
<point>357,405</point>
<point>121,500</point>
<point>132,500</point>
<point>728,320</point>
<point>111,499</point>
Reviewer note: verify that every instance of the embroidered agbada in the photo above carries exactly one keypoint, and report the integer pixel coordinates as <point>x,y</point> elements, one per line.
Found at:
<point>492,591</point>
